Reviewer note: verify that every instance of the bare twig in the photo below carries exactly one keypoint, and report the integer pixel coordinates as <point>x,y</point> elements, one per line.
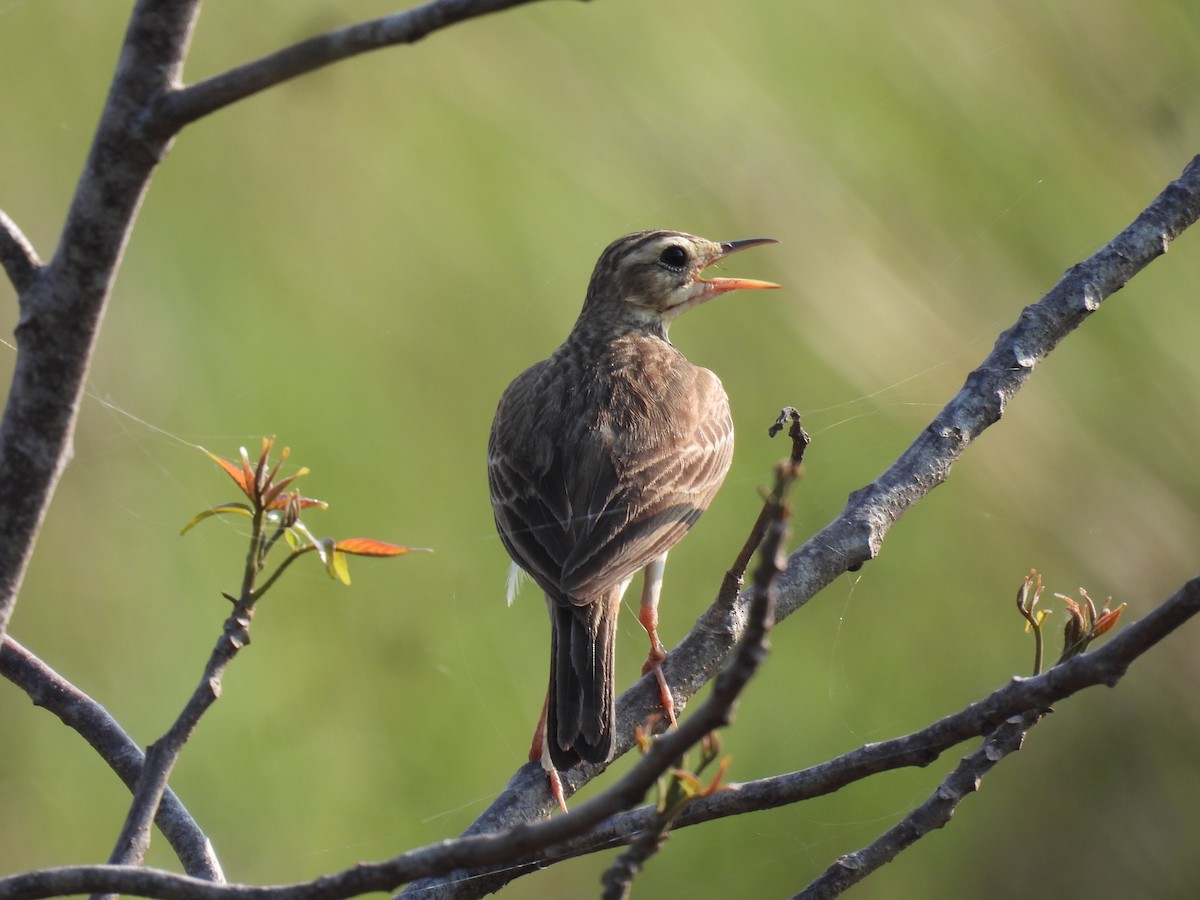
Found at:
<point>162,755</point>
<point>48,689</point>
<point>751,652</point>
<point>733,581</point>
<point>1023,696</point>
<point>17,255</point>
<point>486,849</point>
<point>935,812</point>
<point>184,105</point>
<point>518,847</point>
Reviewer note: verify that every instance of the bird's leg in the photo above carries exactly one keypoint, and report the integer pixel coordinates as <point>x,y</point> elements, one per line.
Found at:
<point>556,788</point>
<point>648,616</point>
<point>539,733</point>
<point>539,751</point>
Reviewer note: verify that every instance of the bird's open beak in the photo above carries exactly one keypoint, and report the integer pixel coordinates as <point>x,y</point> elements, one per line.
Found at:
<point>715,286</point>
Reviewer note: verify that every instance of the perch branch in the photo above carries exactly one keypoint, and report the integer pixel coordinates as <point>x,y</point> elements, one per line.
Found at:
<point>857,534</point>
<point>1023,696</point>
<point>1106,665</point>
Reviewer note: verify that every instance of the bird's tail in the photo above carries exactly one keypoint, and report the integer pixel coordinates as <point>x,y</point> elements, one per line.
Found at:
<point>580,712</point>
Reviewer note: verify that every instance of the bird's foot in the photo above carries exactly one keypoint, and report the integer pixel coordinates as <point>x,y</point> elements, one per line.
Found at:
<point>654,664</point>
<point>540,752</point>
<point>556,788</point>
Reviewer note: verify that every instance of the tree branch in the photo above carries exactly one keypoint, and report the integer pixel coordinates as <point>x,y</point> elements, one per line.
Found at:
<point>485,849</point>
<point>17,255</point>
<point>184,105</point>
<point>935,812</point>
<point>62,308</point>
<point>1023,696</point>
<point>161,756</point>
<point>49,690</point>
<point>560,837</point>
<point>857,534</point>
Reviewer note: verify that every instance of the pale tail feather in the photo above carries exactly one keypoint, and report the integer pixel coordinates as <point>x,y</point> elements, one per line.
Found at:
<point>515,576</point>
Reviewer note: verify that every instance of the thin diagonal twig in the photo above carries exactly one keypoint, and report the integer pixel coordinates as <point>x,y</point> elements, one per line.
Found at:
<point>618,878</point>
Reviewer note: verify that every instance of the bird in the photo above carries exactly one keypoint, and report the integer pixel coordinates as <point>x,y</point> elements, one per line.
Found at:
<point>600,459</point>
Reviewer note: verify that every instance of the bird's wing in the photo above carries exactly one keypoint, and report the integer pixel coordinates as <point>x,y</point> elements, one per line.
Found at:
<point>588,490</point>
<point>665,477</point>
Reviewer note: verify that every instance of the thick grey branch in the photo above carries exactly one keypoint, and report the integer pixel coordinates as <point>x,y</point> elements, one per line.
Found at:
<point>17,255</point>
<point>857,534</point>
<point>62,308</point>
<point>188,104</point>
<point>49,690</point>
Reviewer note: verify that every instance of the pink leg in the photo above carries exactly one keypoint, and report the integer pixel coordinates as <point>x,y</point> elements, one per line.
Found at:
<point>648,616</point>
<point>539,751</point>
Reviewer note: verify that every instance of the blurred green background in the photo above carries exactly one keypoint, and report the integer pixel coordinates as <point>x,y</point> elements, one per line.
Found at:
<point>360,260</point>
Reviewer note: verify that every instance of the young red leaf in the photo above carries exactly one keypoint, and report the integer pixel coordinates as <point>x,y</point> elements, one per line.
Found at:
<point>277,487</point>
<point>301,502</point>
<point>235,472</point>
<point>248,473</point>
<point>1107,620</point>
<point>371,547</point>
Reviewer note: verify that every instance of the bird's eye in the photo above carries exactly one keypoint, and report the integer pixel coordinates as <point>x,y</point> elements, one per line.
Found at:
<point>673,257</point>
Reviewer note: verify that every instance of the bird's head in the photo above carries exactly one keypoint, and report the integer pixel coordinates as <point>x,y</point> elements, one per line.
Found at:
<point>648,278</point>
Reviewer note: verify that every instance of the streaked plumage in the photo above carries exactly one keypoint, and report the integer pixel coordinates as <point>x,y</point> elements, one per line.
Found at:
<point>601,458</point>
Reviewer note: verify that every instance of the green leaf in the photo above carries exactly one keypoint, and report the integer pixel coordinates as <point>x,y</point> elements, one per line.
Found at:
<point>338,567</point>
<point>240,509</point>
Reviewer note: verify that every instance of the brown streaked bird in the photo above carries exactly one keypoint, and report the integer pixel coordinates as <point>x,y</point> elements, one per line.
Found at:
<point>600,459</point>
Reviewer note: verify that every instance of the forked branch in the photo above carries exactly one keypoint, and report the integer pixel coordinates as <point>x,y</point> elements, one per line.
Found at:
<point>17,255</point>
<point>183,105</point>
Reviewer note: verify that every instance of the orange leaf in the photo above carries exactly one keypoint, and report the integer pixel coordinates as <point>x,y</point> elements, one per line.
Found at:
<point>1107,620</point>
<point>277,487</point>
<point>235,472</point>
<point>371,547</point>
<point>302,502</point>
